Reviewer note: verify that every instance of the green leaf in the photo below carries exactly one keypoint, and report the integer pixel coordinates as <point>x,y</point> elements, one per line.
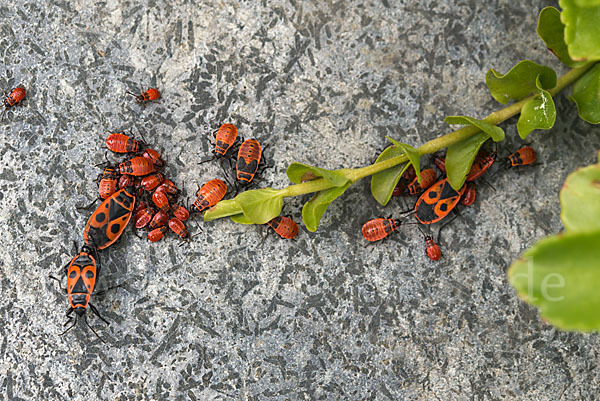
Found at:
<point>384,182</point>
<point>552,31</point>
<point>314,209</point>
<point>587,3</point>
<point>300,172</point>
<point>260,205</point>
<point>561,275</point>
<point>582,29</point>
<point>586,94</point>
<point>538,113</point>
<point>460,156</point>
<point>224,208</point>
<point>241,219</point>
<point>580,200</point>
<point>496,133</point>
<point>520,81</point>
<point>413,155</point>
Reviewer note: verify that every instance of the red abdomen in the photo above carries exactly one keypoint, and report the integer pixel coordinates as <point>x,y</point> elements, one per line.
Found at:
<point>210,193</point>
<point>284,226</point>
<point>178,228</point>
<point>468,197</point>
<point>15,97</point>
<point>428,177</point>
<point>151,94</point>
<point>377,229</point>
<point>108,183</point>
<point>433,250</point>
<point>522,157</point>
<point>121,143</point>
<point>157,233</point>
<point>137,166</point>
<point>226,136</point>
<point>248,159</point>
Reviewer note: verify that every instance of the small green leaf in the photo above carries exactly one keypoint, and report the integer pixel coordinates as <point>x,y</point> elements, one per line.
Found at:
<point>582,29</point>
<point>586,94</point>
<point>413,155</point>
<point>520,81</point>
<point>538,113</point>
<point>224,208</point>
<point>561,275</point>
<point>460,156</point>
<point>384,182</point>
<point>241,219</point>
<point>260,205</point>
<point>552,31</point>
<point>314,209</point>
<point>496,133</point>
<point>580,200</point>
<point>300,172</point>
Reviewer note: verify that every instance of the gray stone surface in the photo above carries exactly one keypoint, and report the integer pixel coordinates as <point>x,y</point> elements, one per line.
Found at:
<point>230,317</point>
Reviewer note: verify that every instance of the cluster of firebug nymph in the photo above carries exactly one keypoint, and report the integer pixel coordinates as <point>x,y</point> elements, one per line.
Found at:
<point>247,167</point>
<point>436,198</point>
<point>157,209</point>
<point>123,188</point>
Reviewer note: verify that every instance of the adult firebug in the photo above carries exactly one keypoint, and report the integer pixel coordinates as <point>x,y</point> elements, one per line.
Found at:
<point>109,220</point>
<point>436,202</point>
<point>82,273</point>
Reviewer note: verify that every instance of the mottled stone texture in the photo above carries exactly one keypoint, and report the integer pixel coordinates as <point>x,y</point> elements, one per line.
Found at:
<point>233,316</point>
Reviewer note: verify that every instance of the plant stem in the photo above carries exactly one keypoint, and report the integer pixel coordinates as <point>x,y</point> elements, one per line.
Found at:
<point>443,141</point>
<point>429,147</point>
<point>570,77</point>
<point>465,132</point>
<point>307,187</point>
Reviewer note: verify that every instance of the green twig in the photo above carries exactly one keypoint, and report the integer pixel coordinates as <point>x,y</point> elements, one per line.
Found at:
<point>432,146</point>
